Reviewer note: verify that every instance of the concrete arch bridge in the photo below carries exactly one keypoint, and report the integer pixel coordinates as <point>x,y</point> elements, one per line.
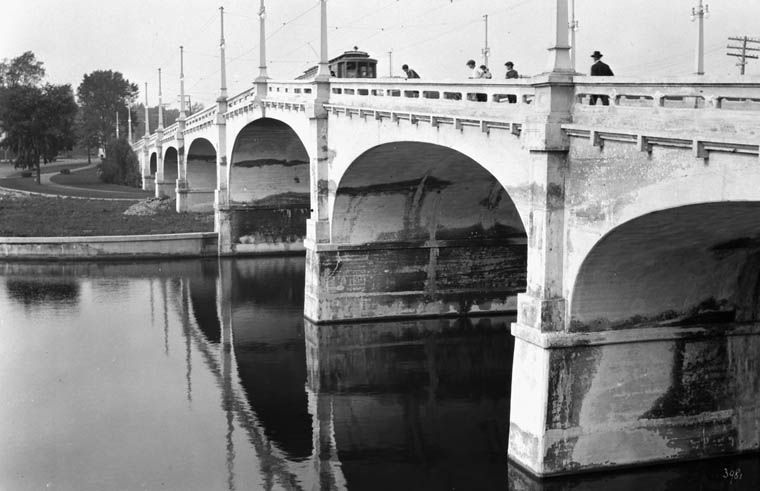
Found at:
<point>626,235</point>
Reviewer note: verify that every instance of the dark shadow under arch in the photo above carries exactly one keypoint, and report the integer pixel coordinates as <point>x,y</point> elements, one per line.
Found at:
<point>170,165</point>
<point>697,264</point>
<point>269,186</point>
<point>201,164</point>
<point>423,230</point>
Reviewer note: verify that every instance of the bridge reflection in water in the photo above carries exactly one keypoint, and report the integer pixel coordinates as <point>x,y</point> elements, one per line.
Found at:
<point>266,399</point>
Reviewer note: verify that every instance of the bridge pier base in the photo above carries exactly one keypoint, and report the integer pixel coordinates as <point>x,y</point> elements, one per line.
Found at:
<point>164,189</point>
<point>148,183</point>
<point>590,401</point>
<point>181,192</point>
<point>223,227</point>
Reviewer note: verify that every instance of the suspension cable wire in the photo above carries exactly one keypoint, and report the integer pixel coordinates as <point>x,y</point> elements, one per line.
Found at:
<point>279,28</point>
<point>668,60</point>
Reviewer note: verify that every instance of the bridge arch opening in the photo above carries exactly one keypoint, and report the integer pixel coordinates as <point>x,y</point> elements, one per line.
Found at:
<point>201,175</point>
<point>433,231</point>
<point>170,165</point>
<point>269,186</point>
<point>153,163</point>
<point>686,266</point>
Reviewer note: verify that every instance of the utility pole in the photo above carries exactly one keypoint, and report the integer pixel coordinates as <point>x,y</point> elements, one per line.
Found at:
<point>117,124</point>
<point>262,43</point>
<point>390,63</point>
<point>743,51</point>
<point>223,88</point>
<point>323,72</point>
<point>486,50</point>
<point>160,104</point>
<point>129,124</point>
<point>147,118</point>
<point>699,13</point>
<point>573,26</point>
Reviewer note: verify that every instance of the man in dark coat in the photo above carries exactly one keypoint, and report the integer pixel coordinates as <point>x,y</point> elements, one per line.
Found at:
<point>600,69</point>
<point>409,72</point>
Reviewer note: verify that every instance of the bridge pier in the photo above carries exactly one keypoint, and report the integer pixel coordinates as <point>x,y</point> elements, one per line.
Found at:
<point>594,401</point>
<point>164,189</point>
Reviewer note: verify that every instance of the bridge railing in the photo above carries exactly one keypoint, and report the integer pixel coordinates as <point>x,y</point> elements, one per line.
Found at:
<point>291,90</point>
<point>170,132</point>
<point>474,95</point>
<point>243,99</point>
<point>682,92</point>
<point>200,118</point>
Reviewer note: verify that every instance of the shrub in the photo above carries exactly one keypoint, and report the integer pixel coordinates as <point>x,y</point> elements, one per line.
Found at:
<point>120,166</point>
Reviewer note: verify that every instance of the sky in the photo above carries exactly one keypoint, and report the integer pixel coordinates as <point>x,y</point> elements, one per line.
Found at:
<point>638,38</point>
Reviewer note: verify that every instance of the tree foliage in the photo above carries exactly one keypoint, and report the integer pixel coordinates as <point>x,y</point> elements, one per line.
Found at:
<point>101,94</point>
<point>36,122</point>
<point>120,165</point>
<point>23,70</point>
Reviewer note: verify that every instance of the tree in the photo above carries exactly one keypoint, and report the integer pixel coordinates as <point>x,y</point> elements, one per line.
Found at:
<point>38,122</point>
<point>101,94</point>
<point>22,70</point>
<point>120,165</point>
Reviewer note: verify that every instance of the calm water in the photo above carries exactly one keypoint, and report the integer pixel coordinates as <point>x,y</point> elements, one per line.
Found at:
<point>203,375</point>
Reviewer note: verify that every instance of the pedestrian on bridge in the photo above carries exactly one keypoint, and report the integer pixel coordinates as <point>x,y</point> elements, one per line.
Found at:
<point>600,69</point>
<point>410,73</point>
<point>511,72</point>
<point>476,72</point>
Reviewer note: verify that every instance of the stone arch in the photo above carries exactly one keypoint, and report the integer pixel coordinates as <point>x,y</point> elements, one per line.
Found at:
<point>269,163</point>
<point>201,175</point>
<point>420,191</point>
<point>269,186</point>
<point>421,229</point>
<point>171,159</point>
<point>676,267</point>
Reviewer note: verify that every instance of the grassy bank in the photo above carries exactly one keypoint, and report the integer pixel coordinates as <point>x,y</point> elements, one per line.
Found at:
<point>37,216</point>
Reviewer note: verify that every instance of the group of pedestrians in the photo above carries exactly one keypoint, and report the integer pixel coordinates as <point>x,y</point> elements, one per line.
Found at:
<point>598,69</point>
<point>482,71</point>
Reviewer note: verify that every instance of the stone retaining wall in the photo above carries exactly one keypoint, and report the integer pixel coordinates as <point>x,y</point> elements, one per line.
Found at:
<point>109,247</point>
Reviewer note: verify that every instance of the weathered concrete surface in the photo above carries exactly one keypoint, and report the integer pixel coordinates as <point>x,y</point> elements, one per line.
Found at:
<point>268,229</point>
<point>269,189</point>
<point>609,186</point>
<point>446,278</point>
<point>688,265</point>
<point>417,229</point>
<point>597,406</point>
<point>117,246</point>
<point>201,176</point>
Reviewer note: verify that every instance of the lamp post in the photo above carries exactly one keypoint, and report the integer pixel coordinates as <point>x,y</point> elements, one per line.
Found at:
<point>262,42</point>
<point>698,14</point>
<point>223,88</point>
<point>160,104</point>
<point>147,119</point>
<point>323,72</point>
<point>573,26</point>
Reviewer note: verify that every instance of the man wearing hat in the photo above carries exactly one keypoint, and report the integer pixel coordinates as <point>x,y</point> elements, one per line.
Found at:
<point>511,73</point>
<point>600,69</point>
